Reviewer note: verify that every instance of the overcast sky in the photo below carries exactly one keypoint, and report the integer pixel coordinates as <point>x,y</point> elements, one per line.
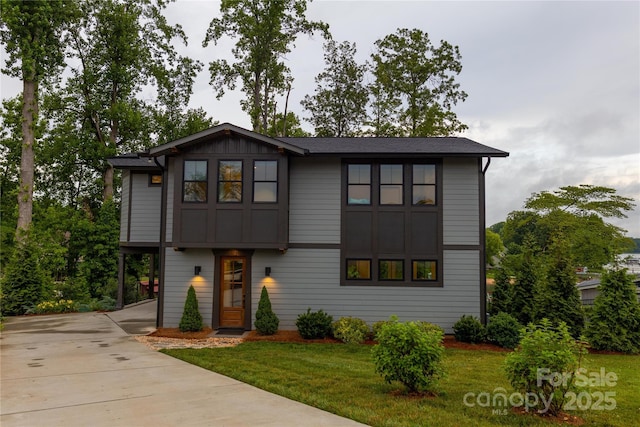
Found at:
<point>556,84</point>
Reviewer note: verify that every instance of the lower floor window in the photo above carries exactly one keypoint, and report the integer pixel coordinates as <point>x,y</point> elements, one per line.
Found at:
<point>423,270</point>
<point>391,270</point>
<point>359,269</point>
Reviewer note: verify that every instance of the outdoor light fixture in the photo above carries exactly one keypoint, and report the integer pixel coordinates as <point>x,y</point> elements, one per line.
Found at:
<point>267,271</point>
<point>196,270</point>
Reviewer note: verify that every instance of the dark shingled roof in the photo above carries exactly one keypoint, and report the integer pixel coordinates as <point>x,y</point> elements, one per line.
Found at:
<point>133,161</point>
<point>437,146</point>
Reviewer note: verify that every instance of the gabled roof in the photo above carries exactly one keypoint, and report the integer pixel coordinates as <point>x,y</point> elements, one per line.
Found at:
<point>224,128</point>
<point>435,146</point>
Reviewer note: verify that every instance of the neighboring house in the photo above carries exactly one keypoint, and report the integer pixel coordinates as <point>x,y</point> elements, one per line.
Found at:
<point>589,289</point>
<point>364,227</point>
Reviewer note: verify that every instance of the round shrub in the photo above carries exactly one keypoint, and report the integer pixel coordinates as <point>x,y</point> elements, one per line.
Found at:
<point>266,320</point>
<point>350,330</point>
<point>544,355</point>
<point>469,329</point>
<point>312,325</point>
<point>503,329</point>
<point>408,353</point>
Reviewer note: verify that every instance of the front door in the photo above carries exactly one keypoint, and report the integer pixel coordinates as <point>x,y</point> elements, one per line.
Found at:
<point>232,291</point>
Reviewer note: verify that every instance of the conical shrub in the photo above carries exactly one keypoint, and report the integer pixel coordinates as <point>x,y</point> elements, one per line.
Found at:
<point>266,320</point>
<point>191,318</point>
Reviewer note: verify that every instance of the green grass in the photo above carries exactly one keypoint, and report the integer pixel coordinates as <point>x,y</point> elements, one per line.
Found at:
<point>341,379</point>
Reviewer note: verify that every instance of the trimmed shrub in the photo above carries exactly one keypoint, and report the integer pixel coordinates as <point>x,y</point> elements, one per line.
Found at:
<point>312,325</point>
<point>350,330</point>
<point>191,318</point>
<point>545,354</point>
<point>615,317</point>
<point>266,320</point>
<point>429,327</point>
<point>469,329</point>
<point>503,329</point>
<point>408,353</point>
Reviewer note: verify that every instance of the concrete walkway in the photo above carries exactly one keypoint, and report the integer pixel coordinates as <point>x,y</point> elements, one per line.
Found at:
<point>83,369</point>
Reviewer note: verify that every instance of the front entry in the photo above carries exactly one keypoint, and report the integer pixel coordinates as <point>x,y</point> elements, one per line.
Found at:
<point>232,300</point>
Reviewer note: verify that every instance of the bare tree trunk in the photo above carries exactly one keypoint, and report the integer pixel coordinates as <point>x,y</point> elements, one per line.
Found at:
<point>25,189</point>
<point>286,106</point>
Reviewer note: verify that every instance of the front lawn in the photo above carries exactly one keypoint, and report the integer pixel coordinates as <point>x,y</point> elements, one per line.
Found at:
<point>341,379</point>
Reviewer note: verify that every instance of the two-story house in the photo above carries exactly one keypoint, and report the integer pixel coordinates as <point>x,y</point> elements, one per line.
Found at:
<point>365,227</point>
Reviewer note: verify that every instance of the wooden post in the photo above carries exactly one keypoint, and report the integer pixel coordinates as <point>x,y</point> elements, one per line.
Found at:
<point>121,264</point>
<point>152,271</point>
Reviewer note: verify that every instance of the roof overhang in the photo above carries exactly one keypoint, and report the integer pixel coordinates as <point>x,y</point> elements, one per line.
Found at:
<point>223,129</point>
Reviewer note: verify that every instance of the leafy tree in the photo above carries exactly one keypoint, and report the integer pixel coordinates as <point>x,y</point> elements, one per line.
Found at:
<point>578,213</point>
<point>121,48</point>
<point>264,32</point>
<point>191,320</point>
<point>418,79</point>
<point>493,246</point>
<point>339,106</point>
<point>286,128</point>
<point>31,32</point>
<point>559,298</point>
<point>266,320</point>
<point>381,122</point>
<point>501,299</point>
<point>614,323</point>
<point>10,146</point>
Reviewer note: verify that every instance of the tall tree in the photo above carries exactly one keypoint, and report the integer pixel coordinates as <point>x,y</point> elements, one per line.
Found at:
<point>419,77</point>
<point>339,106</point>
<point>32,34</point>
<point>265,31</point>
<point>121,49</point>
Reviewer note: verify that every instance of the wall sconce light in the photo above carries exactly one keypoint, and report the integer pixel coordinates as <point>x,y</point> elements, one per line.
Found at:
<point>196,270</point>
<point>267,271</point>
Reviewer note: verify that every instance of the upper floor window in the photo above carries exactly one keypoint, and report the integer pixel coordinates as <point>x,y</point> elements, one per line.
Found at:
<point>230,181</point>
<point>265,181</point>
<point>391,185</point>
<point>195,181</point>
<point>359,183</point>
<point>424,184</point>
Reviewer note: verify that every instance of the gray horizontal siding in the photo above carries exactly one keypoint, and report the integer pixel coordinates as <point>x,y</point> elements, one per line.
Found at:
<point>179,276</point>
<point>145,209</point>
<point>314,201</point>
<point>124,206</point>
<point>304,278</point>
<point>461,202</point>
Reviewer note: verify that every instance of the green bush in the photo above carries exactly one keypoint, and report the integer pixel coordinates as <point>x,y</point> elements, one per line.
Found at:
<point>546,356</point>
<point>408,353</point>
<point>54,306</point>
<point>469,329</point>
<point>191,318</point>
<point>428,327</point>
<point>503,329</point>
<point>266,320</point>
<point>313,325</point>
<point>350,330</point>
<point>615,317</point>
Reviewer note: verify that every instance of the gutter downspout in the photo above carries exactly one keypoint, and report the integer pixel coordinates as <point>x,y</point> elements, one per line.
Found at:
<point>483,243</point>
<point>162,241</point>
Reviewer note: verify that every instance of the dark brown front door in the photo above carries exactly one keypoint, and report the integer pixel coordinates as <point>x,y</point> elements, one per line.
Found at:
<point>232,291</point>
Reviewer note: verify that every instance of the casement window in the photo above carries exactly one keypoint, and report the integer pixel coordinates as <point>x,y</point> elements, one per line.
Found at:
<point>359,184</point>
<point>359,269</point>
<point>195,181</point>
<point>391,188</point>
<point>424,185</point>
<point>423,270</point>
<point>265,181</point>
<point>230,181</point>
<point>391,269</point>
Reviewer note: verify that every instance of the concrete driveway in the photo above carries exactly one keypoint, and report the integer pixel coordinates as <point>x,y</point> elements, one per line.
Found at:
<point>83,369</point>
